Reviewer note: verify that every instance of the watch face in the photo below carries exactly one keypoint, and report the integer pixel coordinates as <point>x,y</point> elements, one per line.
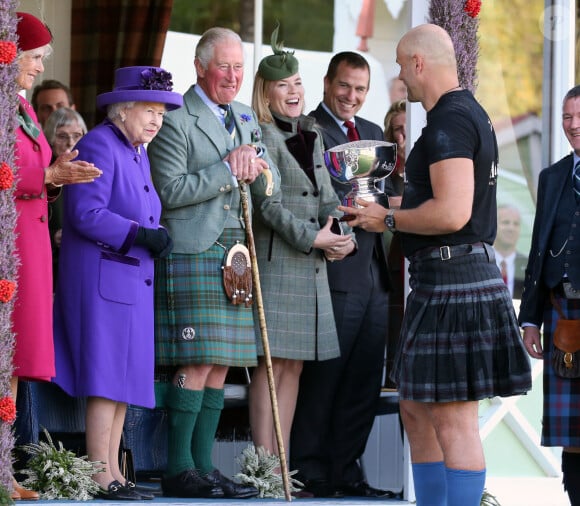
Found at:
<point>390,221</point>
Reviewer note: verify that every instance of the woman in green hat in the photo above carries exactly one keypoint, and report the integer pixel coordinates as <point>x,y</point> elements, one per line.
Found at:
<point>295,235</point>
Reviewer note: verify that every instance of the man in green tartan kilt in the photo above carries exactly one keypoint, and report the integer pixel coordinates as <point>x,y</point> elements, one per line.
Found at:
<point>197,161</point>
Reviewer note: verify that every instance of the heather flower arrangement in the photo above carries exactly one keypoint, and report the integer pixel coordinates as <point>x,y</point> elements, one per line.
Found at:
<point>8,260</point>
<point>459,18</point>
<point>260,469</point>
<point>57,473</point>
<point>155,79</point>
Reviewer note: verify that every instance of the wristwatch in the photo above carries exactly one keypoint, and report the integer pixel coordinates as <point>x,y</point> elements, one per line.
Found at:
<point>390,220</point>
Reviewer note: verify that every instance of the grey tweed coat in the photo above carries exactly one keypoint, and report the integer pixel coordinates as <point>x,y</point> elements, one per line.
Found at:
<point>297,301</point>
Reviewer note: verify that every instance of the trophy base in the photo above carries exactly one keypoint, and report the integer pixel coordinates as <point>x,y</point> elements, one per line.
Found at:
<point>349,201</point>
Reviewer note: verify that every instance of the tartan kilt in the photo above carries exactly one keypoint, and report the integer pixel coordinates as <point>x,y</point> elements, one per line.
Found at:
<point>561,416</point>
<point>195,323</point>
<point>460,340</point>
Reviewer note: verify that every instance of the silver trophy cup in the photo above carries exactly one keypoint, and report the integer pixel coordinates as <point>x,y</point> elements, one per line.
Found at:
<point>363,164</point>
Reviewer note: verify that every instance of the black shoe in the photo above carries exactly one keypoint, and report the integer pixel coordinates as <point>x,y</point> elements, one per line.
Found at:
<point>231,489</point>
<point>117,492</point>
<point>145,492</point>
<point>189,484</point>
<point>363,489</point>
<point>321,488</point>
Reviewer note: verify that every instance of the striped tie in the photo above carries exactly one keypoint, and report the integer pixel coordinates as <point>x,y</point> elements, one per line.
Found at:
<point>576,181</point>
<point>228,119</point>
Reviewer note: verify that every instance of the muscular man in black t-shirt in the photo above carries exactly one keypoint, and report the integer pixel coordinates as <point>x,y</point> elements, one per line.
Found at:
<point>460,341</point>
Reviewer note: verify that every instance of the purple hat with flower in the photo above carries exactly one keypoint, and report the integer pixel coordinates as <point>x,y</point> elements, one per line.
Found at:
<point>141,84</point>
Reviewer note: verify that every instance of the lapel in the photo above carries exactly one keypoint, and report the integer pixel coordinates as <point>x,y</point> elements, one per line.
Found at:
<point>555,183</point>
<point>206,122</point>
<point>333,134</point>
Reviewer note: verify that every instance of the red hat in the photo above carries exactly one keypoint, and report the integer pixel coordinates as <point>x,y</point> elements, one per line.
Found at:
<point>32,32</point>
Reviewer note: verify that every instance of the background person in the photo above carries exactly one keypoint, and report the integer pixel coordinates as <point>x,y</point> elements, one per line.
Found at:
<point>397,90</point>
<point>396,131</point>
<point>338,398</point>
<point>554,261</point>
<point>63,129</point>
<point>38,182</point>
<point>104,299</point>
<point>293,238</point>
<point>199,155</point>
<point>48,96</point>
<point>511,263</point>
<point>449,357</point>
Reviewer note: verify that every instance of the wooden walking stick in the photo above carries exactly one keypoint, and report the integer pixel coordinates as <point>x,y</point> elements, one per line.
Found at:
<point>263,328</point>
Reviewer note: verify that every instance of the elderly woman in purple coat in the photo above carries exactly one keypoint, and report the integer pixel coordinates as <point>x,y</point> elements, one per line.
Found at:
<point>103,311</point>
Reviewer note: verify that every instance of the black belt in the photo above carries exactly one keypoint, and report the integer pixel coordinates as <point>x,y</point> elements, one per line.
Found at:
<point>448,252</point>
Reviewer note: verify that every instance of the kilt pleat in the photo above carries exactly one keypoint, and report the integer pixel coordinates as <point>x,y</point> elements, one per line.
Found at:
<point>561,416</point>
<point>195,323</point>
<point>460,339</point>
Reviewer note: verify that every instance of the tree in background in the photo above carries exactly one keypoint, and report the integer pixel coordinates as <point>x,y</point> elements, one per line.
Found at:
<point>305,24</point>
<point>513,40</point>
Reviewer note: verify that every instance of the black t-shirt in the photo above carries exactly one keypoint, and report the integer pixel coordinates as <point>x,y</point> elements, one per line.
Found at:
<point>457,127</point>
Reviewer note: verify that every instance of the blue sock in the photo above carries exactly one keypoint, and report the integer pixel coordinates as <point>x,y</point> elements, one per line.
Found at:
<point>464,488</point>
<point>430,484</point>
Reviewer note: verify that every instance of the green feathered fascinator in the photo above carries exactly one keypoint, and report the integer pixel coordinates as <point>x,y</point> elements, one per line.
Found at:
<point>281,64</point>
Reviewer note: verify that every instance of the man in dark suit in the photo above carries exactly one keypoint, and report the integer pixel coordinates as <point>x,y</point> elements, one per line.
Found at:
<point>553,279</point>
<point>337,399</point>
<point>511,263</point>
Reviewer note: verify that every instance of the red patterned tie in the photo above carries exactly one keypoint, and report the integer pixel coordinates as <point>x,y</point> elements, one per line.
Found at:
<point>503,267</point>
<point>351,132</point>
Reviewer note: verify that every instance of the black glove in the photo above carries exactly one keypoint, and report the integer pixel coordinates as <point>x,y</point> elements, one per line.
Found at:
<point>157,241</point>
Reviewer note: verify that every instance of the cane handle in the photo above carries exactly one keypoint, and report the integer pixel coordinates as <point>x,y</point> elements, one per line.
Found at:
<point>269,182</point>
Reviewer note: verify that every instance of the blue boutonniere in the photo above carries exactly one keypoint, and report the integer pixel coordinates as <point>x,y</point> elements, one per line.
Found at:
<point>256,135</point>
<point>245,117</point>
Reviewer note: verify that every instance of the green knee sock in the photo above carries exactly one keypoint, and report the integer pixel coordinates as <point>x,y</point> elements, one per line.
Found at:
<point>206,427</point>
<point>183,408</point>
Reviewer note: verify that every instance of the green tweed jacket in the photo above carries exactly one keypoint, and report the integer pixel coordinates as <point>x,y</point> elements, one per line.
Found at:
<point>293,276</point>
<point>195,186</point>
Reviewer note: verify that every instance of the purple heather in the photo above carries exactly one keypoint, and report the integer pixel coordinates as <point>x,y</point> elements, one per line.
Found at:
<point>8,260</point>
<point>451,15</point>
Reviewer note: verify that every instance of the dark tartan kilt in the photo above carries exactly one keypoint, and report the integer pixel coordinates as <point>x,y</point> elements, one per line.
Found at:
<point>460,340</point>
<point>195,323</point>
<point>561,417</point>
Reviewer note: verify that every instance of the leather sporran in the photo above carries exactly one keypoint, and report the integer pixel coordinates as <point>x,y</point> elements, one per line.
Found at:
<point>237,275</point>
<point>566,345</point>
<point>566,352</point>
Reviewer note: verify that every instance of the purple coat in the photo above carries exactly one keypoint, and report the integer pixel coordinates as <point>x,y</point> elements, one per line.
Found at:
<point>103,311</point>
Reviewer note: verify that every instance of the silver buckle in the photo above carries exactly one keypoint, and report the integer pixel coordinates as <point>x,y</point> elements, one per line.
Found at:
<point>445,252</point>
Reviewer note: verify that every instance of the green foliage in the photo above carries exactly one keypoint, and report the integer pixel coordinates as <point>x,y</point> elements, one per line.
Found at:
<point>261,470</point>
<point>57,473</point>
<point>313,31</point>
<point>511,56</point>
<point>5,496</point>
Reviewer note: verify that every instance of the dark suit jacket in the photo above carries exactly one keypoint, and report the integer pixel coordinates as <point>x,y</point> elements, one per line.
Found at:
<point>341,274</point>
<point>551,184</point>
